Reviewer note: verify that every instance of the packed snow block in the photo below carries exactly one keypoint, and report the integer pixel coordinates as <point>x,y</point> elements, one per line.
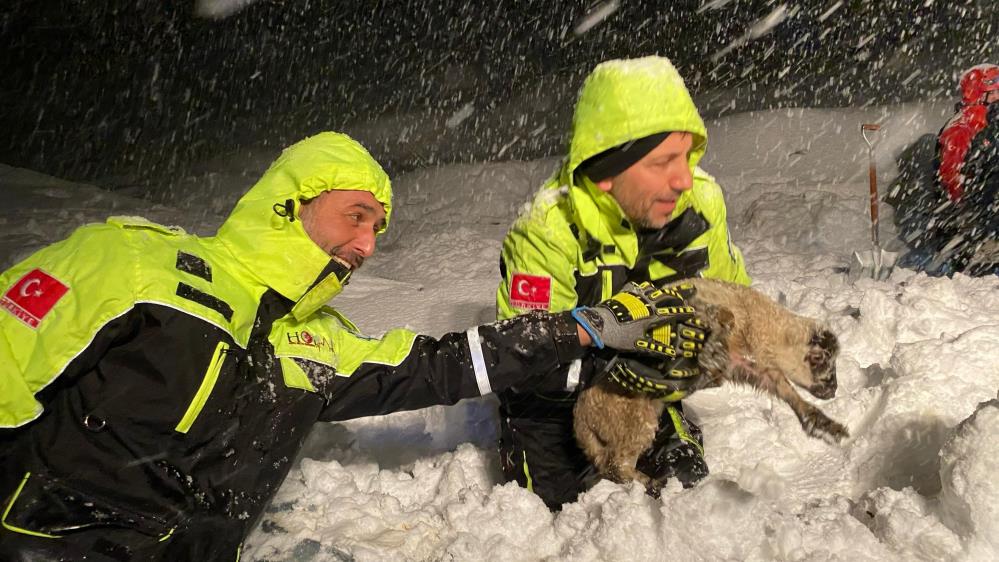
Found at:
<point>905,523</point>
<point>969,494</point>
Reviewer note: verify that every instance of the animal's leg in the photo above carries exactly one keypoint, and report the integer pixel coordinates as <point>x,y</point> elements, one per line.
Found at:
<point>622,467</point>
<point>588,438</point>
<point>625,443</point>
<point>813,421</point>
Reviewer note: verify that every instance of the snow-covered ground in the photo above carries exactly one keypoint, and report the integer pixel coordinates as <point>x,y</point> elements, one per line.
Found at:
<point>918,373</point>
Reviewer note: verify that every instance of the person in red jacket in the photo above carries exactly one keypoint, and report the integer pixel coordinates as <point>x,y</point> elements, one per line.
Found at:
<point>979,88</point>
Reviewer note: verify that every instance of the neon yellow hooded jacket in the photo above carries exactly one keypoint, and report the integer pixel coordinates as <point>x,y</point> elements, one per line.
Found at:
<point>573,246</point>
<point>577,234</point>
<point>108,268</point>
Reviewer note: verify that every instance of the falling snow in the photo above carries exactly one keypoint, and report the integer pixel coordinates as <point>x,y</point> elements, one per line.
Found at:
<point>171,111</point>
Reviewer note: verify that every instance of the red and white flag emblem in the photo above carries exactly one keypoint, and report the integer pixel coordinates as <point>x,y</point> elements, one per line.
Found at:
<point>531,291</point>
<point>33,297</point>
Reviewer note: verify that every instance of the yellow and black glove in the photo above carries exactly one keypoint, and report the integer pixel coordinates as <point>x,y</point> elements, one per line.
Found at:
<point>665,381</point>
<point>640,319</point>
<point>672,372</point>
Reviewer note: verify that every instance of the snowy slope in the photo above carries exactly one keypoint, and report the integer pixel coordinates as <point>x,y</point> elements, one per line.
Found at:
<point>915,482</point>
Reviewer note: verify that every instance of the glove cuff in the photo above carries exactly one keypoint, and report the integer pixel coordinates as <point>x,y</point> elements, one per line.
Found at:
<point>583,317</point>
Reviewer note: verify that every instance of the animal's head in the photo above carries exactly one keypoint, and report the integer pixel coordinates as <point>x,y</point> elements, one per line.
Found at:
<point>820,357</point>
<point>808,356</point>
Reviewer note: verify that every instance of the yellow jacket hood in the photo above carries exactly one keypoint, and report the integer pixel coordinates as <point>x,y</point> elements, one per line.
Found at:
<point>625,100</point>
<point>265,234</point>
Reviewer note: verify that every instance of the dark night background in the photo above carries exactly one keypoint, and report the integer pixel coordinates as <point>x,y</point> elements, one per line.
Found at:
<point>119,92</point>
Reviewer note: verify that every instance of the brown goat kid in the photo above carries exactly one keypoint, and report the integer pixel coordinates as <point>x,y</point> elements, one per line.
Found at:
<point>753,341</point>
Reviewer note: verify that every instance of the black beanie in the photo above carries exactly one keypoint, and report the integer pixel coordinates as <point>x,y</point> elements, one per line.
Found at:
<point>615,160</point>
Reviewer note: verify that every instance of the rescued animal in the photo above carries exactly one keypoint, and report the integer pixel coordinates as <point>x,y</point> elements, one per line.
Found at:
<point>753,341</point>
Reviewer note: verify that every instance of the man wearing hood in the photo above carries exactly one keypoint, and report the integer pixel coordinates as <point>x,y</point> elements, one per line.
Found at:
<point>628,204</point>
<point>954,227</point>
<point>155,386</point>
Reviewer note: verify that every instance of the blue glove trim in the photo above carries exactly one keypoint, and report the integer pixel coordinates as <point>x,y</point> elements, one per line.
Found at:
<point>586,326</point>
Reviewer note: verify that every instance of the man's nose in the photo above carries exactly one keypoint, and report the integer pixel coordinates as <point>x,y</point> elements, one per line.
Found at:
<point>683,179</point>
<point>365,244</point>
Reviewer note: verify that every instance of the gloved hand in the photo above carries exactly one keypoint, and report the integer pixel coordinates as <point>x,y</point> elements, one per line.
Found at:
<point>676,376</point>
<point>669,380</point>
<point>640,319</point>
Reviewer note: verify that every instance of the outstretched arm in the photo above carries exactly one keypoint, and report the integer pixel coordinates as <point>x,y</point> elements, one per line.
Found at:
<point>406,371</point>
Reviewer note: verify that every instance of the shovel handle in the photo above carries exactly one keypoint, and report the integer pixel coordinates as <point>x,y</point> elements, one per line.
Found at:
<point>874,203</point>
<point>872,172</point>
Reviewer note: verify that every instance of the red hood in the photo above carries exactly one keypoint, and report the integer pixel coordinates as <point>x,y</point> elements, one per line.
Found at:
<point>978,80</point>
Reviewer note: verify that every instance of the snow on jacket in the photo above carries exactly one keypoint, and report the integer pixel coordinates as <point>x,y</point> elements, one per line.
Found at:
<point>160,384</point>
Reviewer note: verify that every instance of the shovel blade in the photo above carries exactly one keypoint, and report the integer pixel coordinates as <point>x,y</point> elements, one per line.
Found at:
<point>874,264</point>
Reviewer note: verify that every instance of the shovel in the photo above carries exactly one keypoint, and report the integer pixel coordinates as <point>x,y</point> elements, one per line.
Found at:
<point>875,264</point>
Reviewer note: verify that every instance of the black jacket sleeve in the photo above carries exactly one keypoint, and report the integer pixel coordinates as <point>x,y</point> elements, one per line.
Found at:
<point>980,166</point>
<point>525,351</point>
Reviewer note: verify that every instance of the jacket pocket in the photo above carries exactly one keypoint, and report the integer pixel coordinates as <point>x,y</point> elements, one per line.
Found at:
<point>205,390</point>
<point>43,506</point>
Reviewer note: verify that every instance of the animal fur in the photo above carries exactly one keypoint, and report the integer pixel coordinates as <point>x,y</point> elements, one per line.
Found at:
<point>753,341</point>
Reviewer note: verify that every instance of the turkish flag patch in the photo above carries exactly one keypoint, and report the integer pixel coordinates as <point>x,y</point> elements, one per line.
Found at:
<point>33,296</point>
<point>532,292</point>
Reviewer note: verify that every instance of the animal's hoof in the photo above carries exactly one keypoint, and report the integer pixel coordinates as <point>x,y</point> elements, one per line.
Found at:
<point>817,425</point>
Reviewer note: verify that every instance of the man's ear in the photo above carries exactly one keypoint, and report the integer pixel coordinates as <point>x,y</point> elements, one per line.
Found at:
<point>605,185</point>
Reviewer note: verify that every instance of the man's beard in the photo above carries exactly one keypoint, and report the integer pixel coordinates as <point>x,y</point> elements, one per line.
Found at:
<point>642,218</point>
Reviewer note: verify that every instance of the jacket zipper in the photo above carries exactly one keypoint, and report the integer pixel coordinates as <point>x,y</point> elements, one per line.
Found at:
<point>607,290</point>
<point>6,512</point>
<point>207,384</point>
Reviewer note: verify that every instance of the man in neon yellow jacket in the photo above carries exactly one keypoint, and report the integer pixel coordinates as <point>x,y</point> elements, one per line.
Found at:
<point>156,386</point>
<point>628,204</point>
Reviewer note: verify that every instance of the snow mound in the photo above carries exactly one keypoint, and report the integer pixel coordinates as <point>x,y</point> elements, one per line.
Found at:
<point>968,467</point>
